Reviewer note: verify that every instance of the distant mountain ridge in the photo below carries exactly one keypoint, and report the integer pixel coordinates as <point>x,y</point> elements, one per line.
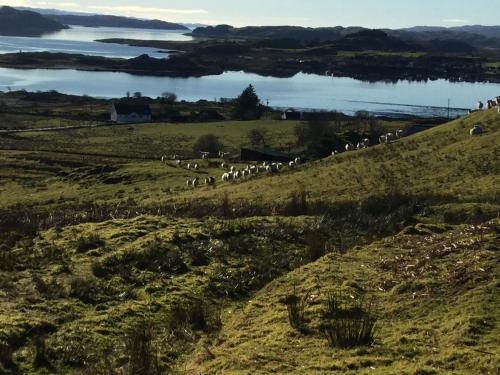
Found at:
<point>15,22</point>
<point>114,21</point>
<point>487,31</point>
<point>459,39</point>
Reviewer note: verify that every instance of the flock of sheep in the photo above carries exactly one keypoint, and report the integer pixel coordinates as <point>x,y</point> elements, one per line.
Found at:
<point>491,103</point>
<point>231,173</point>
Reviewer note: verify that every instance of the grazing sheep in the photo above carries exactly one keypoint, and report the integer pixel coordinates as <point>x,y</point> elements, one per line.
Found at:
<point>189,166</point>
<point>232,169</point>
<point>223,154</point>
<point>163,158</point>
<point>492,104</point>
<point>363,144</point>
<point>178,162</point>
<point>349,147</point>
<point>224,166</point>
<point>196,166</point>
<point>334,152</point>
<point>225,177</point>
<point>399,134</point>
<point>476,130</point>
<point>382,139</point>
<point>298,161</point>
<point>291,165</point>
<point>193,183</point>
<point>210,181</point>
<point>498,101</point>
<point>480,105</point>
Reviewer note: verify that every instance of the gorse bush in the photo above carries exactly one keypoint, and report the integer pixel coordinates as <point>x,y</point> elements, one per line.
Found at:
<point>346,322</point>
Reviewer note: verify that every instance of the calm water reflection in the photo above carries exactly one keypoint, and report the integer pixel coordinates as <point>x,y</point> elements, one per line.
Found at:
<point>81,40</point>
<point>301,91</point>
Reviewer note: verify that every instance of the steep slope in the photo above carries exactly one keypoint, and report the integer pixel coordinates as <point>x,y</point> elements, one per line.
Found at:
<point>25,23</point>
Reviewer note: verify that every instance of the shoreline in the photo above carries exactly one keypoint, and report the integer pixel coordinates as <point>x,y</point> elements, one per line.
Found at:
<point>183,65</point>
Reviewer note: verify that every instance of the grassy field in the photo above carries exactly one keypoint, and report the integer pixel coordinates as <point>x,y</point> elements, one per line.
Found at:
<point>104,250</point>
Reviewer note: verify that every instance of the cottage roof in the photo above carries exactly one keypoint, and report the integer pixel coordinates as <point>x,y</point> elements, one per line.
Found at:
<point>129,108</point>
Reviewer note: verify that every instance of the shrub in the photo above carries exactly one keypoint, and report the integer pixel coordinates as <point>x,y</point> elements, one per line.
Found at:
<point>296,307</point>
<point>347,324</point>
<point>207,143</point>
<point>141,351</point>
<point>6,360</point>
<point>85,289</point>
<point>40,359</point>
<point>297,204</point>
<point>91,242</point>
<point>198,314</point>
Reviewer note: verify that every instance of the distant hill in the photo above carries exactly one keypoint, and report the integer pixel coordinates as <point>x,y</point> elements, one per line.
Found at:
<point>26,23</point>
<point>487,31</point>
<point>114,21</point>
<point>451,40</point>
<point>306,34</point>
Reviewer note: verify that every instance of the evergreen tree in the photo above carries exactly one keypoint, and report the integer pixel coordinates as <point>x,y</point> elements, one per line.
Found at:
<point>247,105</point>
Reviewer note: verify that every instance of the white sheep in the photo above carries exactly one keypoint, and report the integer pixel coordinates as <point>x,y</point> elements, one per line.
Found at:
<point>399,134</point>
<point>476,130</point>
<point>349,147</point>
<point>232,169</point>
<point>178,162</point>
<point>196,166</point>
<point>189,166</point>
<point>209,181</point>
<point>298,161</point>
<point>291,165</point>
<point>334,152</point>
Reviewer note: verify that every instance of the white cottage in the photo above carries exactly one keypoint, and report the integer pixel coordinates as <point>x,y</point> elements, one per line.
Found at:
<point>130,113</point>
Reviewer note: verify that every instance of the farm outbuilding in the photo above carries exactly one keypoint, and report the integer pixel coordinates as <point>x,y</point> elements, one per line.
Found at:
<point>130,113</point>
<point>264,154</point>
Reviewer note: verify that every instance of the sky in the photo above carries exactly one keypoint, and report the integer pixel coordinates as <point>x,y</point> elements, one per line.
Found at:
<point>367,13</point>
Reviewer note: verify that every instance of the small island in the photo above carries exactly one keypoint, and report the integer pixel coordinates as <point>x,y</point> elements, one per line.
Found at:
<point>26,23</point>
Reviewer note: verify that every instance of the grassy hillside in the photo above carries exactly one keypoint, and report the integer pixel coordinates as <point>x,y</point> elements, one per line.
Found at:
<point>108,262</point>
<point>444,161</point>
<point>436,298</point>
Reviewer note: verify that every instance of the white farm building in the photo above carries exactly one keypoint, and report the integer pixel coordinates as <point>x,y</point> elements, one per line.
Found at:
<point>130,113</point>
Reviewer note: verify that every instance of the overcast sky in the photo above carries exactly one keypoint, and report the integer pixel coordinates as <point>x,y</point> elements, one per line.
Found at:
<point>368,13</point>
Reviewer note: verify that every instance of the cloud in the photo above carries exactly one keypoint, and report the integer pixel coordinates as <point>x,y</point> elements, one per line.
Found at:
<point>454,20</point>
<point>138,9</point>
<point>57,4</point>
<point>14,3</point>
